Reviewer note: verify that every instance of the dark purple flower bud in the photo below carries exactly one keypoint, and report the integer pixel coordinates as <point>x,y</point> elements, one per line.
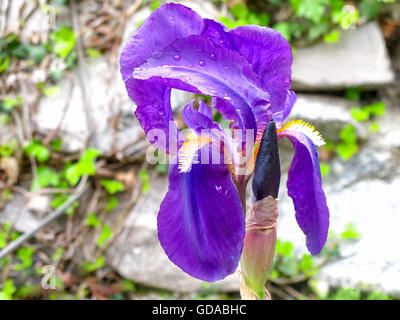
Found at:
<point>267,174</point>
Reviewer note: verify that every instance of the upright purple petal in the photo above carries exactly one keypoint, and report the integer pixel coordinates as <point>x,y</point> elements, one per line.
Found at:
<point>201,222</point>
<point>282,115</point>
<point>305,188</point>
<point>213,70</point>
<point>270,55</point>
<point>166,24</point>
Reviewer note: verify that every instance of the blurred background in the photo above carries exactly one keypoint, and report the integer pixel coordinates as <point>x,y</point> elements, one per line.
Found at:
<point>73,169</point>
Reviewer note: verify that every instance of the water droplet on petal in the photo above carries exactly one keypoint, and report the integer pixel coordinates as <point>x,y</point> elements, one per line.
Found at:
<point>160,112</point>
<point>200,50</point>
<point>219,189</point>
<point>202,63</point>
<point>177,57</point>
<point>287,79</point>
<point>213,57</point>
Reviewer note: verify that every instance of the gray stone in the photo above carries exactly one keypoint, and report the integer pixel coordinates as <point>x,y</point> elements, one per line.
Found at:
<point>326,113</point>
<point>359,58</point>
<point>136,254</point>
<point>18,214</point>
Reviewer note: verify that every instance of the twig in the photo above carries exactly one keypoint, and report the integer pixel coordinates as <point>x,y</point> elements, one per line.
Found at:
<point>81,59</point>
<point>80,190</point>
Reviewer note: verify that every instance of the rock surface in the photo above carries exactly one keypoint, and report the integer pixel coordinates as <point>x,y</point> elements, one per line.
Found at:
<point>327,66</point>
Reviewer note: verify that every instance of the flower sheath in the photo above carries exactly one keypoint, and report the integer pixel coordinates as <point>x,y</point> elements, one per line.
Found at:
<point>247,72</point>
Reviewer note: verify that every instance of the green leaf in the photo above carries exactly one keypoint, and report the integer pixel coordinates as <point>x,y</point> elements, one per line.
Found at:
<point>332,37</point>
<point>105,235</point>
<point>239,11</point>
<point>4,64</point>
<point>60,199</point>
<point>47,177</point>
<point>85,165</point>
<point>310,9</point>
<point>64,41</point>
<point>10,103</point>
<point>359,114</point>
<point>8,290</point>
<point>284,248</point>
<point>144,178</point>
<point>284,29</point>
<point>112,203</point>
<point>91,220</point>
<point>37,150</point>
<point>112,186</point>
<point>37,52</point>
<point>374,126</point>
<point>377,109</point>
<point>25,256</point>
<point>155,4</point>
<point>353,94</point>
<point>93,53</point>
<point>58,254</point>
<point>346,294</point>
<point>306,265</point>
<point>51,91</point>
<point>370,8</point>
<point>378,295</point>
<point>348,134</point>
<point>350,232</point>
<point>7,149</point>
<point>346,150</point>
<point>99,263</point>
<point>56,144</point>
<point>325,169</point>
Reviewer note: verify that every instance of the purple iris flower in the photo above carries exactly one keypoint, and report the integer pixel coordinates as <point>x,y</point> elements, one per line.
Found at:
<point>247,71</point>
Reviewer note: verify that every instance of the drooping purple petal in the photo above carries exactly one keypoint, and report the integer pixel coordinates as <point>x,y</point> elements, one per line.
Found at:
<point>213,70</point>
<point>201,122</point>
<point>201,221</point>
<point>305,188</point>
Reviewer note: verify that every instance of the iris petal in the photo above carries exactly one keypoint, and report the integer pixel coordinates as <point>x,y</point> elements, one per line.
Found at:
<point>166,24</point>
<point>305,188</point>
<point>271,58</point>
<point>201,222</point>
<point>213,70</point>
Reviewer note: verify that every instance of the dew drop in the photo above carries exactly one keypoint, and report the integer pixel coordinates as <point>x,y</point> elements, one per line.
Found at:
<point>287,79</point>
<point>202,63</point>
<point>219,189</point>
<point>213,57</point>
<point>177,57</point>
<point>160,112</point>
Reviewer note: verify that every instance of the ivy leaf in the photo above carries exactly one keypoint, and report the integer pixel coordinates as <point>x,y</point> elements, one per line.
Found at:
<point>64,41</point>
<point>112,186</point>
<point>105,235</point>
<point>37,150</point>
<point>91,220</point>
